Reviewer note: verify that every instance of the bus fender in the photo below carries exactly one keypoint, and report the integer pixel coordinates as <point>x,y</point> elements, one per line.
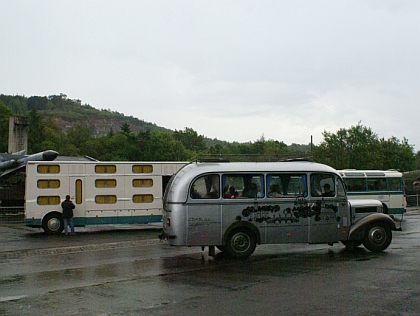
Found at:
<point>357,231</point>
<point>242,224</point>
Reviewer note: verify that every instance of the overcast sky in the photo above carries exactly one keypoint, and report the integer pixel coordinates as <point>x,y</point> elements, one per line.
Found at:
<point>232,70</point>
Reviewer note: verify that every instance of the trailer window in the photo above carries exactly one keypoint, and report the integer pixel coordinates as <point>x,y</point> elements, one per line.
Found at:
<point>105,168</point>
<point>48,169</point>
<point>142,169</point>
<point>137,183</point>
<point>48,184</point>
<point>48,200</point>
<point>79,192</point>
<point>142,198</point>
<point>105,199</point>
<point>106,183</point>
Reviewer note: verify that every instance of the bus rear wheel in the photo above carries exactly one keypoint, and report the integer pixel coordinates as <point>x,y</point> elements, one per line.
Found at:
<point>377,238</point>
<point>53,224</point>
<point>240,243</point>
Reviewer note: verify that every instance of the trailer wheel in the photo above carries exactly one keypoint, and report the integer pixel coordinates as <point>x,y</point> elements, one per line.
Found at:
<point>240,243</point>
<point>377,238</point>
<point>53,223</point>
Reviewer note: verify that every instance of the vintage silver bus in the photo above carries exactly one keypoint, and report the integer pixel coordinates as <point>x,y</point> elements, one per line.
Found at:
<point>235,206</point>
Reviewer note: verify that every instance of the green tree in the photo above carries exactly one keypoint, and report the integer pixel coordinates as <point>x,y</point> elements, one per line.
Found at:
<point>359,148</point>
<point>36,133</point>
<point>125,128</point>
<point>397,154</point>
<point>163,147</point>
<point>77,141</point>
<point>190,139</point>
<point>5,114</point>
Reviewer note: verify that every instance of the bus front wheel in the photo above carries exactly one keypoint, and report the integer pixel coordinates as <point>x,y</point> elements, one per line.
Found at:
<point>240,243</point>
<point>53,223</point>
<point>377,238</point>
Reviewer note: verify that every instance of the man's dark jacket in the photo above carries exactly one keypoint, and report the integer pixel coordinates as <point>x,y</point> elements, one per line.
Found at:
<point>68,207</point>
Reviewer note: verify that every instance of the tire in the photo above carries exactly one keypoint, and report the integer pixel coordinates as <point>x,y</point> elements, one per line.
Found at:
<point>53,224</point>
<point>240,243</point>
<point>378,237</point>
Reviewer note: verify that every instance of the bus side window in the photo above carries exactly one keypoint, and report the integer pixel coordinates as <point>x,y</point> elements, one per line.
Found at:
<point>340,188</point>
<point>286,185</point>
<point>322,185</point>
<point>355,184</point>
<point>206,187</point>
<point>253,186</point>
<point>395,184</point>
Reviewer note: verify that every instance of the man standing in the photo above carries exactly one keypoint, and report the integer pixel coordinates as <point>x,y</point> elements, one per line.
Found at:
<point>68,207</point>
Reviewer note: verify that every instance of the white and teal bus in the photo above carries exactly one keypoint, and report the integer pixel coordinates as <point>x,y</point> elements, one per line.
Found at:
<point>387,186</point>
<point>103,192</point>
<point>235,206</point>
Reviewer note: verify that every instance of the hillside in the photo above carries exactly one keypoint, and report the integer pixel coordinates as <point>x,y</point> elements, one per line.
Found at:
<point>67,113</point>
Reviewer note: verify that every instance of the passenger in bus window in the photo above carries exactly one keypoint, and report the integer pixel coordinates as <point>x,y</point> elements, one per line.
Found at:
<point>327,191</point>
<point>252,191</point>
<point>274,191</point>
<point>230,193</point>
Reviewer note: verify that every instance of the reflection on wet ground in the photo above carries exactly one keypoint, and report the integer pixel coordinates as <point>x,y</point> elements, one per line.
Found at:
<point>112,271</point>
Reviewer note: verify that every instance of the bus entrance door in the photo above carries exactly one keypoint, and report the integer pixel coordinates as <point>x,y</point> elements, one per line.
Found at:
<point>323,225</point>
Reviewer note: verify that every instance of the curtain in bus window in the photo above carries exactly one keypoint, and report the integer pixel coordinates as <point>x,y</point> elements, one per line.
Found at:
<point>253,186</point>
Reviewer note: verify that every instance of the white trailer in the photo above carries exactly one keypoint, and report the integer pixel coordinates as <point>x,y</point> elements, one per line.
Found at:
<point>103,192</point>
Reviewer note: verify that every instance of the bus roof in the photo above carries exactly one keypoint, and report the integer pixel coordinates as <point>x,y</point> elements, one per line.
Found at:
<point>369,173</point>
<point>182,180</point>
<point>197,168</point>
